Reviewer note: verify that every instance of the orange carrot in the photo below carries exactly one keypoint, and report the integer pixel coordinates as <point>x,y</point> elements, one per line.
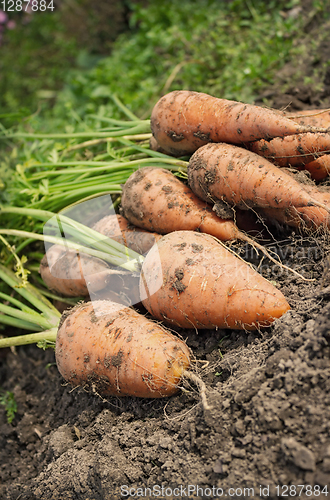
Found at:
<point>312,117</point>
<point>190,280</point>
<point>182,121</point>
<point>304,218</point>
<point>154,146</point>
<point>156,200</point>
<point>115,226</point>
<point>294,150</point>
<point>115,351</point>
<point>72,273</point>
<point>319,168</point>
<point>239,177</point>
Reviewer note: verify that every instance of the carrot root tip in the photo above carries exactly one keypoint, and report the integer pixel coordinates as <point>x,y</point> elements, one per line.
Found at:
<point>201,387</point>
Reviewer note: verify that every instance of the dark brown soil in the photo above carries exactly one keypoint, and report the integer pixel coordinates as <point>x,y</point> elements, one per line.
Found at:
<point>267,432</point>
<point>268,426</point>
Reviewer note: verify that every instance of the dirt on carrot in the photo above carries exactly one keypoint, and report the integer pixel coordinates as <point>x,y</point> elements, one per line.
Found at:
<point>190,280</point>
<point>183,121</point>
<point>156,200</point>
<point>294,150</point>
<point>242,178</point>
<point>114,350</point>
<point>117,227</point>
<point>73,274</point>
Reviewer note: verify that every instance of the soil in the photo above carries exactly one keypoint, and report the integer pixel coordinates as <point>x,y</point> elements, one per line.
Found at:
<point>268,428</point>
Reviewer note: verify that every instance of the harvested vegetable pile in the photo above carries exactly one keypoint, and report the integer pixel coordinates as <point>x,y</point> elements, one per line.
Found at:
<point>184,279</point>
<point>170,256</point>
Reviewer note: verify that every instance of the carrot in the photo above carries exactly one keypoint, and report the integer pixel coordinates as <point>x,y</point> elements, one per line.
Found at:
<point>116,351</point>
<point>102,345</point>
<point>154,146</point>
<point>312,117</point>
<point>239,177</point>
<point>319,168</point>
<point>190,280</point>
<point>183,121</point>
<point>294,150</point>
<point>115,226</point>
<point>73,274</point>
<point>124,288</point>
<point>304,217</point>
<point>156,200</point>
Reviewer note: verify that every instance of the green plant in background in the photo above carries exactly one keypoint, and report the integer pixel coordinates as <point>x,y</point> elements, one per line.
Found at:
<point>229,49</point>
<point>7,399</point>
<point>35,58</point>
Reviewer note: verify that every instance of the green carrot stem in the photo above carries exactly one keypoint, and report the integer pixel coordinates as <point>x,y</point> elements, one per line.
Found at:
<point>139,129</point>
<point>116,177</point>
<point>35,318</point>
<point>103,165</point>
<point>18,249</point>
<point>18,323</point>
<point>36,255</point>
<point>82,232</point>
<point>99,180</point>
<point>123,108</point>
<point>114,128</point>
<point>95,195</point>
<point>131,265</point>
<point>16,303</point>
<point>114,121</point>
<point>30,338</point>
<point>33,268</point>
<point>66,300</point>
<point>94,142</point>
<point>57,202</point>
<point>145,150</point>
<point>87,163</point>
<point>76,230</point>
<point>29,293</point>
<point>19,264</point>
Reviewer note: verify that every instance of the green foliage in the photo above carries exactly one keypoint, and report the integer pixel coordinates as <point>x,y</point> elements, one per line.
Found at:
<point>229,49</point>
<point>35,58</point>
<point>7,399</point>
